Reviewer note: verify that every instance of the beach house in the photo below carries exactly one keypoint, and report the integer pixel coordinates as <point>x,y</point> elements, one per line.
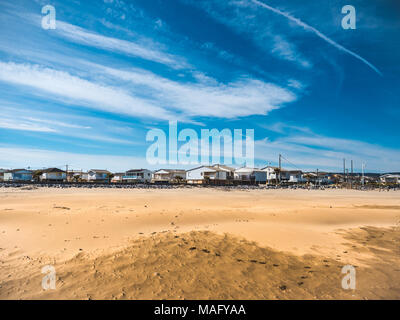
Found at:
<point>207,174</point>
<point>98,175</point>
<point>272,174</point>
<point>53,175</point>
<point>77,176</point>
<point>137,175</point>
<point>117,177</point>
<point>2,174</point>
<point>18,175</point>
<point>169,176</point>
<point>250,175</point>
<point>390,178</point>
<point>294,176</point>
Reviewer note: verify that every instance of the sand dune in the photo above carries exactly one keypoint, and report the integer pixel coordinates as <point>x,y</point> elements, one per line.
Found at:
<point>199,243</point>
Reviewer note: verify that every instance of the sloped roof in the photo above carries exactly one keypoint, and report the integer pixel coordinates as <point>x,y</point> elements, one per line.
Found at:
<point>137,170</point>
<point>161,171</point>
<point>222,167</point>
<point>391,176</point>
<point>99,171</point>
<point>16,170</point>
<point>49,170</point>
<point>269,167</point>
<point>210,169</point>
<point>247,170</point>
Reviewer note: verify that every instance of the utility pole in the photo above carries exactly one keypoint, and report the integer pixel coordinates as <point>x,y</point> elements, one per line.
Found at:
<point>280,167</point>
<point>351,175</point>
<point>362,173</point>
<point>317,177</point>
<point>344,170</point>
<point>66,174</point>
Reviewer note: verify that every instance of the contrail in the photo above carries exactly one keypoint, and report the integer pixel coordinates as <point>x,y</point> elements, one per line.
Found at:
<point>318,33</point>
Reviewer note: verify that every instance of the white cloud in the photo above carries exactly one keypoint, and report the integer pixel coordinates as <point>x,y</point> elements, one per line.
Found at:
<point>79,91</point>
<point>56,123</point>
<point>15,119</point>
<point>209,98</point>
<point>315,151</point>
<point>85,37</point>
<point>317,33</point>
<point>153,96</point>
<point>241,17</point>
<point>39,158</point>
<point>288,51</point>
<point>24,126</point>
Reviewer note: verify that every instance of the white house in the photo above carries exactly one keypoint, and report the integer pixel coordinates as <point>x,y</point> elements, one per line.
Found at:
<point>137,175</point>
<point>53,174</point>
<point>77,175</point>
<point>18,175</point>
<point>97,175</point>
<point>251,175</point>
<point>169,175</point>
<point>205,173</point>
<point>118,177</point>
<point>294,176</point>
<point>272,175</point>
<point>390,178</point>
<point>275,175</point>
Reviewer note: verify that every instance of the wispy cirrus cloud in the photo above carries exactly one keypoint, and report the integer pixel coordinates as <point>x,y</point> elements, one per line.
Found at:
<point>139,47</point>
<point>12,157</point>
<point>316,32</point>
<point>93,39</point>
<point>309,151</point>
<point>287,50</point>
<point>62,85</point>
<point>24,126</point>
<point>58,128</point>
<point>208,97</point>
<point>150,95</point>
<point>241,17</point>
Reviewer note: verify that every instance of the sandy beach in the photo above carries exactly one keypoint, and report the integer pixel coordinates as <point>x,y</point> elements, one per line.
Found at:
<point>200,243</point>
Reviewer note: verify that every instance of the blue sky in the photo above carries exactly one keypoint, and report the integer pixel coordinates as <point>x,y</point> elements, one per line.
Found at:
<point>86,93</point>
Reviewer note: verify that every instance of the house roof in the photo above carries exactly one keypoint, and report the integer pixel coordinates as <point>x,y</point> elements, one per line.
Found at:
<point>247,170</point>
<point>222,167</point>
<point>294,171</point>
<point>390,176</point>
<point>99,171</point>
<point>269,167</point>
<point>49,170</point>
<point>17,170</point>
<point>168,171</point>
<point>137,170</point>
<point>210,169</point>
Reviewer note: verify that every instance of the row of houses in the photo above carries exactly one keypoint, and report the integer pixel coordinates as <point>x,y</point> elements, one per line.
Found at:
<point>200,175</point>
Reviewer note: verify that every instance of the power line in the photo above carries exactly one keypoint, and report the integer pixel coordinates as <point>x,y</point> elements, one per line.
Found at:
<point>291,163</point>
